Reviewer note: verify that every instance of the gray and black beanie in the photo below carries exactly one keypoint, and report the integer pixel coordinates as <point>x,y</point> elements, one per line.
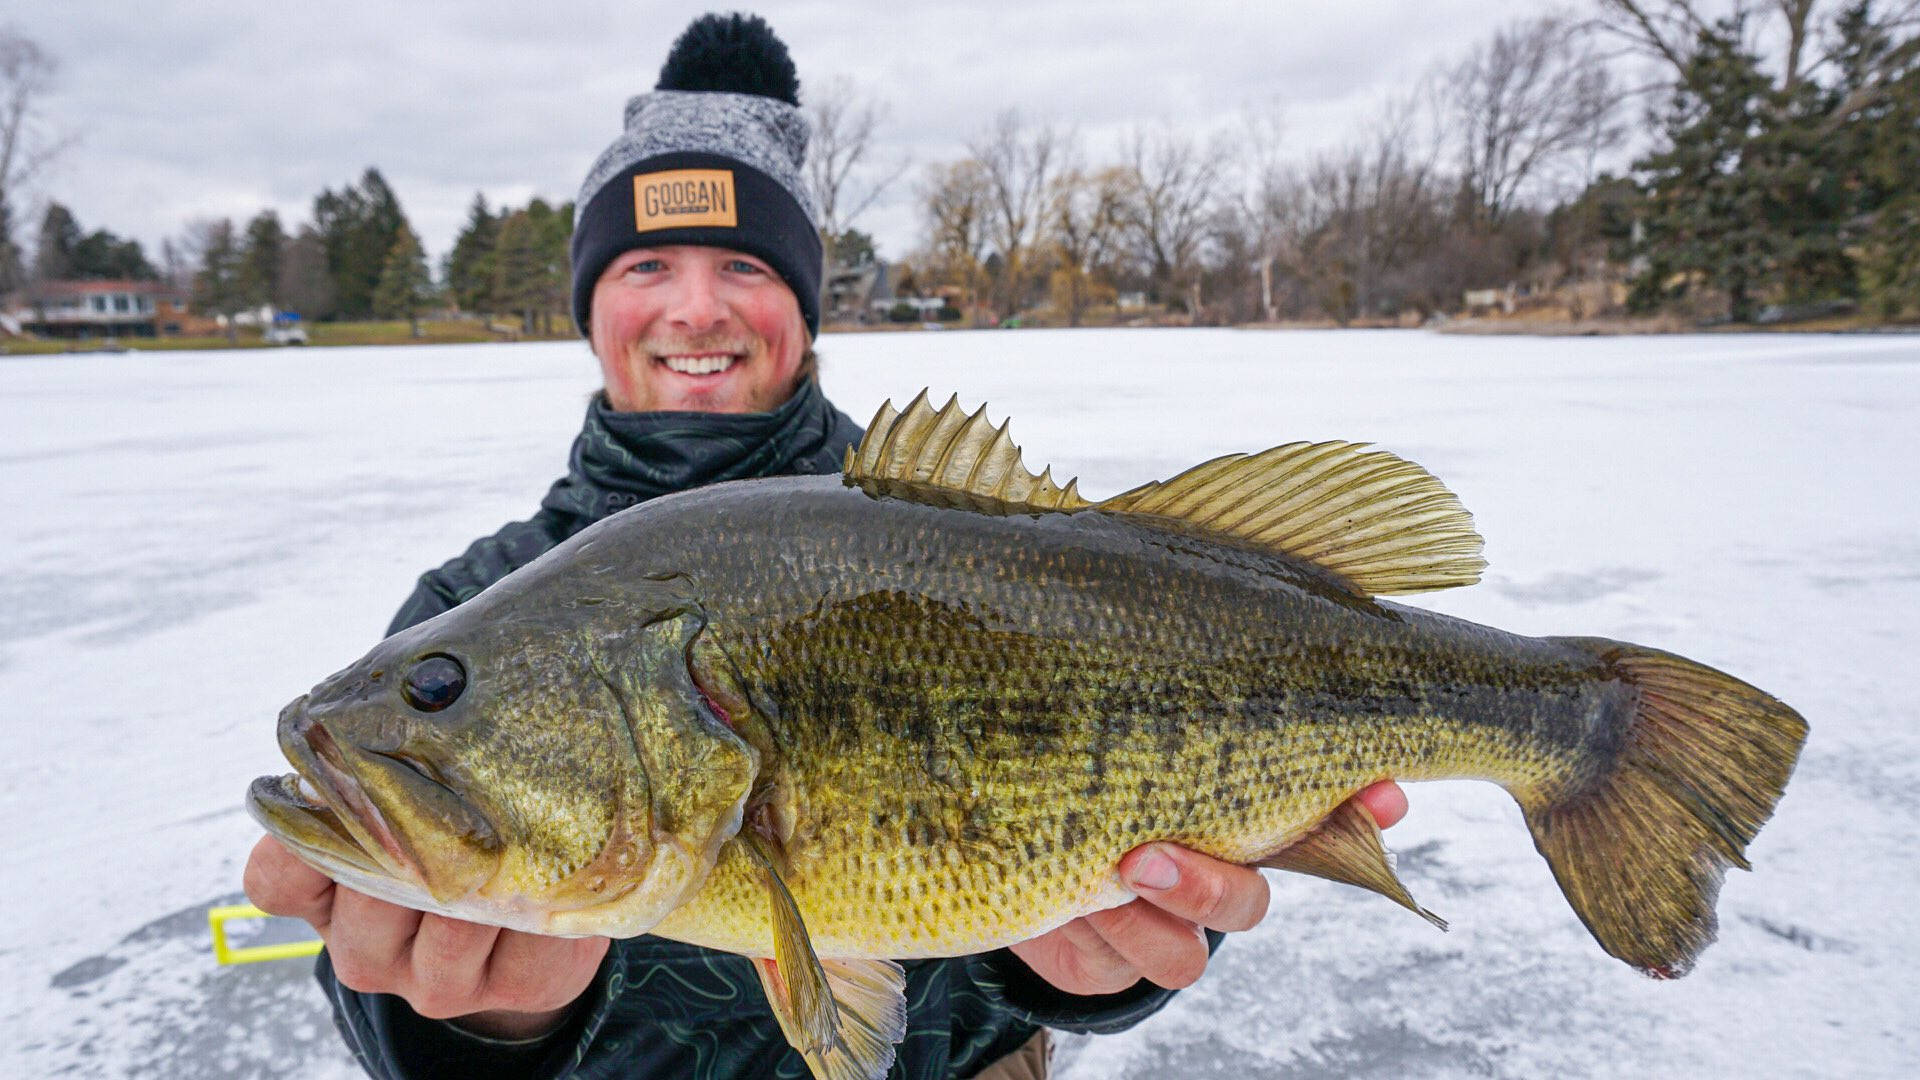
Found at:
<point>712,157</point>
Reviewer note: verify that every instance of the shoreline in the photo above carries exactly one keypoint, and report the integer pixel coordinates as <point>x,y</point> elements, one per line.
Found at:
<point>352,335</point>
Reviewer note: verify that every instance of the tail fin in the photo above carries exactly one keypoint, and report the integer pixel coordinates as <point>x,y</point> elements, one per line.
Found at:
<point>1641,852</point>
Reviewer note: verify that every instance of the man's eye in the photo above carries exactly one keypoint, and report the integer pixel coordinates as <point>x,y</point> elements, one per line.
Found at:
<point>646,266</point>
<point>742,266</point>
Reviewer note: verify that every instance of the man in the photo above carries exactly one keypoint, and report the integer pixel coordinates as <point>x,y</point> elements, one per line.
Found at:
<point>697,268</point>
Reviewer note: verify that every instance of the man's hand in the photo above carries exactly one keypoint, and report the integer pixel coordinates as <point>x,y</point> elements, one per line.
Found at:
<point>496,982</point>
<point>1160,936</point>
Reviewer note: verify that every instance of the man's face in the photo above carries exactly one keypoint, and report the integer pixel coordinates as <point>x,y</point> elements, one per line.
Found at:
<point>701,329</point>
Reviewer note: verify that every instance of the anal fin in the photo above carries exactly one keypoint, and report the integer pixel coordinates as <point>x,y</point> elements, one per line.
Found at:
<point>1346,848</point>
<point>843,1015</point>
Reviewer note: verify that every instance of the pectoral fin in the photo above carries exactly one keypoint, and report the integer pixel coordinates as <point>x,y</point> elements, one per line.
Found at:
<point>843,1015</point>
<point>1346,848</point>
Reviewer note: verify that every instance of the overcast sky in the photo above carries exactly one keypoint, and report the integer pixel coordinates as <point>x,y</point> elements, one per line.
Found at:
<point>223,107</point>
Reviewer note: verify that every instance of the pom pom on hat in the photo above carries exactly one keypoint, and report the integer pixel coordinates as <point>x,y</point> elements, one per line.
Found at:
<point>735,53</point>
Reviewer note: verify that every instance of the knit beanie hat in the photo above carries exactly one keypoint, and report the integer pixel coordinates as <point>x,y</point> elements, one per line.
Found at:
<point>712,157</point>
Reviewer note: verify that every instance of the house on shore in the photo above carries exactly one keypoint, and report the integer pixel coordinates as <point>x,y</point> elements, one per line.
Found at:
<point>855,291</point>
<point>84,309</point>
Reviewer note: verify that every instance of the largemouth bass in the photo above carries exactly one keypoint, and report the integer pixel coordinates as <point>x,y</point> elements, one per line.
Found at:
<point>923,708</point>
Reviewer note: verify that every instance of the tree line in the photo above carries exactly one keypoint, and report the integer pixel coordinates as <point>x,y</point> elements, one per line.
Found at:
<point>1772,162</point>
<point>1710,158</point>
<point>358,257</point>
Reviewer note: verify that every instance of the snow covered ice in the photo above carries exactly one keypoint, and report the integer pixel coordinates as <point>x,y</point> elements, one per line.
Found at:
<point>191,539</point>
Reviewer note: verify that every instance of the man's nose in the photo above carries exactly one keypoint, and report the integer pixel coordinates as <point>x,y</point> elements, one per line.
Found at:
<point>697,305</point>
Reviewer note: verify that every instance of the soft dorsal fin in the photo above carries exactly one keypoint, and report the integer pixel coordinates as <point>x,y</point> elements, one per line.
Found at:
<point>1379,522</point>
<point>950,458</point>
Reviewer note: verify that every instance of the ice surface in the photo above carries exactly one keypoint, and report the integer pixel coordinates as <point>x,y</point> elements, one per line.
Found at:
<point>191,539</point>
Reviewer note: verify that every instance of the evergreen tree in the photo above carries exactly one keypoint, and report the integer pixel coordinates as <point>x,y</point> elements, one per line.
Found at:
<point>1796,192</point>
<point>405,286</point>
<point>531,270</point>
<point>305,285</point>
<point>216,285</point>
<point>260,261</point>
<point>1800,199</point>
<point>852,248</point>
<point>1881,146</point>
<point>359,227</point>
<point>553,226</point>
<point>1704,216</point>
<point>102,255</point>
<point>518,268</point>
<point>469,271</point>
<point>59,235</point>
<point>67,252</point>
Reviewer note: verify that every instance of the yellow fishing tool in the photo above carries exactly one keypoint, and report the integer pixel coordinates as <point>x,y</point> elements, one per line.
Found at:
<point>225,953</point>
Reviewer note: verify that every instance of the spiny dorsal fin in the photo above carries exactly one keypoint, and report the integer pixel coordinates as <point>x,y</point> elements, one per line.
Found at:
<point>1380,522</point>
<point>949,458</point>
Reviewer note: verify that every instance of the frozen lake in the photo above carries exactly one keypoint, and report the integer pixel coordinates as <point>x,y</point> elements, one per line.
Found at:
<point>191,539</point>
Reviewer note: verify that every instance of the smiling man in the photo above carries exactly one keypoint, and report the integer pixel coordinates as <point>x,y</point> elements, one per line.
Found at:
<point>697,329</point>
<point>697,267</point>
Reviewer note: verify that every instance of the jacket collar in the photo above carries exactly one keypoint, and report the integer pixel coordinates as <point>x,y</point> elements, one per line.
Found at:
<point>621,458</point>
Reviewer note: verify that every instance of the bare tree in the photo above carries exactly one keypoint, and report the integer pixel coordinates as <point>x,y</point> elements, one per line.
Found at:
<point>1252,210</point>
<point>1528,101</point>
<point>1085,216</point>
<point>1267,214</point>
<point>1661,30</point>
<point>1351,218</point>
<point>1796,14</point>
<point>1787,32</point>
<point>1017,163</point>
<point>1797,36</point>
<point>844,122</point>
<point>26,146</point>
<point>1177,181</point>
<point>954,202</point>
<point>1886,72</point>
<point>177,265</point>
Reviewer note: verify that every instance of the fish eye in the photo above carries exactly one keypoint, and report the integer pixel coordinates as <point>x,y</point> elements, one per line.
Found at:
<point>434,683</point>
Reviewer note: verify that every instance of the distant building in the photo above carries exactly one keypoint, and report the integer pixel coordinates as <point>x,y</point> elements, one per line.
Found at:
<point>1483,301</point>
<point>855,291</point>
<point>79,309</point>
<point>924,307</point>
<point>173,317</point>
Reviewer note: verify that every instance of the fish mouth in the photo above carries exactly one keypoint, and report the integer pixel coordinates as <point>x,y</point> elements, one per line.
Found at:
<point>323,810</point>
<point>310,827</point>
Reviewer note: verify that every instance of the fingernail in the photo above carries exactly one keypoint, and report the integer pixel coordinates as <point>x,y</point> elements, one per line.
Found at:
<point>1156,871</point>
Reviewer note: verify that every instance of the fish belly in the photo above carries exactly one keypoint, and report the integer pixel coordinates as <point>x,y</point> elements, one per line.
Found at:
<point>968,822</point>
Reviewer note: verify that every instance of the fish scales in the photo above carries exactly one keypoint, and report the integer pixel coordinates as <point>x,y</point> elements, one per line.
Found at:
<point>970,708</point>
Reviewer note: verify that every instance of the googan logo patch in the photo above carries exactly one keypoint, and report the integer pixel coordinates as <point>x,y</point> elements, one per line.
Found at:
<point>683,198</point>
